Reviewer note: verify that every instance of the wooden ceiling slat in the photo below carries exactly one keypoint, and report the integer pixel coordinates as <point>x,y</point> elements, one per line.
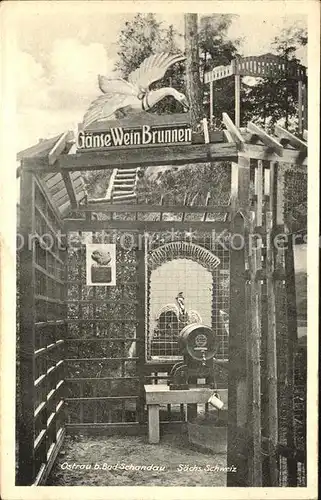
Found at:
<point>55,188</point>
<point>54,181</point>
<point>47,177</point>
<point>66,207</point>
<point>63,191</point>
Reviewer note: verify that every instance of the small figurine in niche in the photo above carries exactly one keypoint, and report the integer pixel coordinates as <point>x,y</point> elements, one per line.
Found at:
<point>101,271</point>
<point>180,301</point>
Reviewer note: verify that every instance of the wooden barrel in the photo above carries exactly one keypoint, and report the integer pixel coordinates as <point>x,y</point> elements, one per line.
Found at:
<point>197,341</point>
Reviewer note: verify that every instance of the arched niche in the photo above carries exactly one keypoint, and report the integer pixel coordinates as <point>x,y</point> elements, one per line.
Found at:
<point>176,267</point>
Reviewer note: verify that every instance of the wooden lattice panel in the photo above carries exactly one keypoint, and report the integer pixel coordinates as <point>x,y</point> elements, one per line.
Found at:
<point>42,331</point>
<point>103,381</point>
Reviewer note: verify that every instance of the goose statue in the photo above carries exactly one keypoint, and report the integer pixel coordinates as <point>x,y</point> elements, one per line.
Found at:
<point>122,97</point>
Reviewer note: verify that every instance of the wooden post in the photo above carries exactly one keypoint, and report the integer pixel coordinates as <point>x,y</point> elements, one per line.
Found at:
<point>292,344</point>
<point>254,266</point>
<point>80,317</point>
<point>305,106</point>
<point>300,105</point>
<point>279,195</point>
<point>271,355</point>
<point>237,120</point>
<point>26,472</point>
<point>140,318</point>
<point>237,382</point>
<point>153,424</point>
<point>234,187</point>
<point>259,193</point>
<point>211,103</point>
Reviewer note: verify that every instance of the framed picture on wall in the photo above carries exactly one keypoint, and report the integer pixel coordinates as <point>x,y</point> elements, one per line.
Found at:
<point>100,264</point>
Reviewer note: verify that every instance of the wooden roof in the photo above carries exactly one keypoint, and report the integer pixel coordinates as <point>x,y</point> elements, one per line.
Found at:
<point>54,182</point>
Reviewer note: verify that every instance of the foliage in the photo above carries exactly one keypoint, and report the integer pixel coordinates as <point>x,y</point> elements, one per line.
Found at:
<point>216,49</point>
<point>140,38</point>
<point>189,184</point>
<point>275,98</point>
<point>96,182</point>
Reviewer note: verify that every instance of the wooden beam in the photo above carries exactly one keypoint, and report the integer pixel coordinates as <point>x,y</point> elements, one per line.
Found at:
<point>228,136</point>
<point>257,152</point>
<point>300,106</point>
<point>59,147</point>
<point>237,380</point>
<point>255,352</point>
<point>242,177</point>
<point>271,356</point>
<point>279,175</point>
<point>27,368</point>
<point>161,213</point>
<point>137,157</point>
<point>61,196</point>
<point>146,208</point>
<point>211,102</point>
<point>111,184</point>
<point>259,193</point>
<point>286,136</point>
<point>267,139</point>
<point>305,106</point>
<point>96,225</point>
<point>205,131</point>
<point>208,197</point>
<point>46,193</point>
<point>45,470</point>
<point>70,189</point>
<point>234,131</point>
<point>237,91</point>
<point>184,203</point>
<point>292,341</point>
<point>140,326</point>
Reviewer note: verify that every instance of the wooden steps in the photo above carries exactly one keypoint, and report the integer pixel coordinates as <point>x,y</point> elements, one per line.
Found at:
<point>123,198</point>
<point>123,185</point>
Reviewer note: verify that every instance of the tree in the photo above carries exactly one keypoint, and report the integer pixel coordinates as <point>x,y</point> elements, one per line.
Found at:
<point>193,82</point>
<point>216,49</point>
<point>140,38</point>
<point>275,98</point>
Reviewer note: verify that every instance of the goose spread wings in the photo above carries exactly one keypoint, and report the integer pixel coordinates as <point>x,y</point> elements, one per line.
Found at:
<point>153,69</point>
<point>104,107</point>
<point>116,86</point>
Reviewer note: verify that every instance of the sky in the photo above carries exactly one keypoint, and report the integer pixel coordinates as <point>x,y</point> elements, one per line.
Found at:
<point>59,56</point>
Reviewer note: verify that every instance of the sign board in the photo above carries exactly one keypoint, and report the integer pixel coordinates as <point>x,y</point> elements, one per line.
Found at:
<point>100,264</point>
<point>144,135</point>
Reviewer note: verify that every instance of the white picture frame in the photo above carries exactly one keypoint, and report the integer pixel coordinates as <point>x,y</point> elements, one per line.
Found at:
<point>100,264</point>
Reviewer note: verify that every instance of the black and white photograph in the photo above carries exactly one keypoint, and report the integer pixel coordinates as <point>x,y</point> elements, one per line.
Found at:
<point>159,249</point>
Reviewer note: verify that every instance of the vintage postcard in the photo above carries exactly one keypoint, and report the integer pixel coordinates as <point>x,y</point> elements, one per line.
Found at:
<point>159,249</point>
